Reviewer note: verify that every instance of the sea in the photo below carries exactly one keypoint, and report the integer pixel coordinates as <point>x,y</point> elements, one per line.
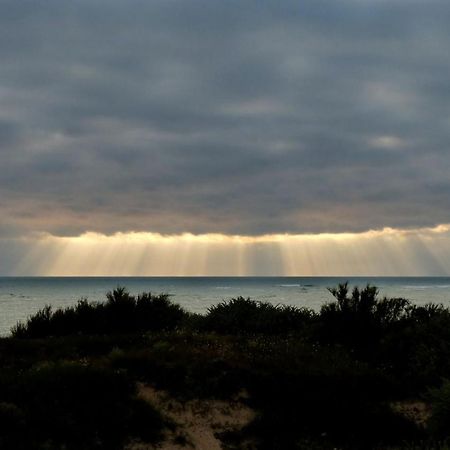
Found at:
<point>22,296</point>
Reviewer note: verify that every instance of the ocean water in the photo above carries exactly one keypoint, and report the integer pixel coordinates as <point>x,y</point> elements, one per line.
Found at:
<point>20,297</point>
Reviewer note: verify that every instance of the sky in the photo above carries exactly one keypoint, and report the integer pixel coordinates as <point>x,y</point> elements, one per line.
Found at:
<point>185,137</point>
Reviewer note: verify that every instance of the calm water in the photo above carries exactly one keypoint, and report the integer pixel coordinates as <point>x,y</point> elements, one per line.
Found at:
<point>20,297</point>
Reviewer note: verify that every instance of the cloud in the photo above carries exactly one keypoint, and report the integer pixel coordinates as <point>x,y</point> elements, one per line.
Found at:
<point>223,117</point>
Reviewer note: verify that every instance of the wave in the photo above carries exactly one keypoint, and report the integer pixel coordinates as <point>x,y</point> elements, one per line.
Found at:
<point>430,286</point>
<point>11,294</point>
<point>295,285</point>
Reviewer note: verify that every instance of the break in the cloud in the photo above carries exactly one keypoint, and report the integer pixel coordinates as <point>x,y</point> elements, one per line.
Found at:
<point>234,117</point>
<point>418,252</point>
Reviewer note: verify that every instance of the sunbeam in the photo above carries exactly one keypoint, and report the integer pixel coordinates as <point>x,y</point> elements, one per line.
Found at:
<point>384,252</point>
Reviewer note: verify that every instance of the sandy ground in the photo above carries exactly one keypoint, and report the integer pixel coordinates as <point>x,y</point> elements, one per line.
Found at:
<point>198,421</point>
<point>417,411</point>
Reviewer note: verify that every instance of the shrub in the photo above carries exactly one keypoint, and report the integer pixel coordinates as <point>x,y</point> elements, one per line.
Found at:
<point>37,324</point>
<point>417,348</point>
<point>72,406</point>
<point>359,320</point>
<point>322,393</point>
<point>243,315</point>
<point>121,313</point>
<point>440,410</point>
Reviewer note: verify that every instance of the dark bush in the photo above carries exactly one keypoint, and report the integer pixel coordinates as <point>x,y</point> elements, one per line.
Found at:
<point>359,320</point>
<point>417,348</point>
<point>121,313</point>
<point>242,316</point>
<point>71,406</point>
<point>36,325</point>
<point>306,392</point>
<point>439,422</point>
<point>191,366</point>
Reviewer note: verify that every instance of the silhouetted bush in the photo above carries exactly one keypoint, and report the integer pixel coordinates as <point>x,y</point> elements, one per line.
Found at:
<point>417,348</point>
<point>439,422</point>
<point>343,410</point>
<point>121,313</point>
<point>359,320</point>
<point>71,406</point>
<point>243,315</point>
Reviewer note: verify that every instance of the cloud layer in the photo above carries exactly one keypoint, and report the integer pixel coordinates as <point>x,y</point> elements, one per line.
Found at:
<point>233,117</point>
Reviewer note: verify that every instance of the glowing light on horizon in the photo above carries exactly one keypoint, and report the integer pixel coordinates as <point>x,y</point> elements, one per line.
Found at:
<point>389,251</point>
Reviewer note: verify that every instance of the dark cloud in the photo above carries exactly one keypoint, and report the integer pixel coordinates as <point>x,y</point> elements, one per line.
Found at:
<point>235,117</point>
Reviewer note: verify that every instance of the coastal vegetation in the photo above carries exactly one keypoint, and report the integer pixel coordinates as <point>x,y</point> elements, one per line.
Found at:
<point>362,372</point>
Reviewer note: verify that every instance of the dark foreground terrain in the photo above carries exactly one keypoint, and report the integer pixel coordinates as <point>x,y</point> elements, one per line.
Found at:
<point>140,372</point>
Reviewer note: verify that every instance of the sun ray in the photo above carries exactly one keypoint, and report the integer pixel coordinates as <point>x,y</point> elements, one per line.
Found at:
<point>375,252</point>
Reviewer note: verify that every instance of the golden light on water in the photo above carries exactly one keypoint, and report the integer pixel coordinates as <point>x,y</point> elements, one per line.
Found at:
<point>380,252</point>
